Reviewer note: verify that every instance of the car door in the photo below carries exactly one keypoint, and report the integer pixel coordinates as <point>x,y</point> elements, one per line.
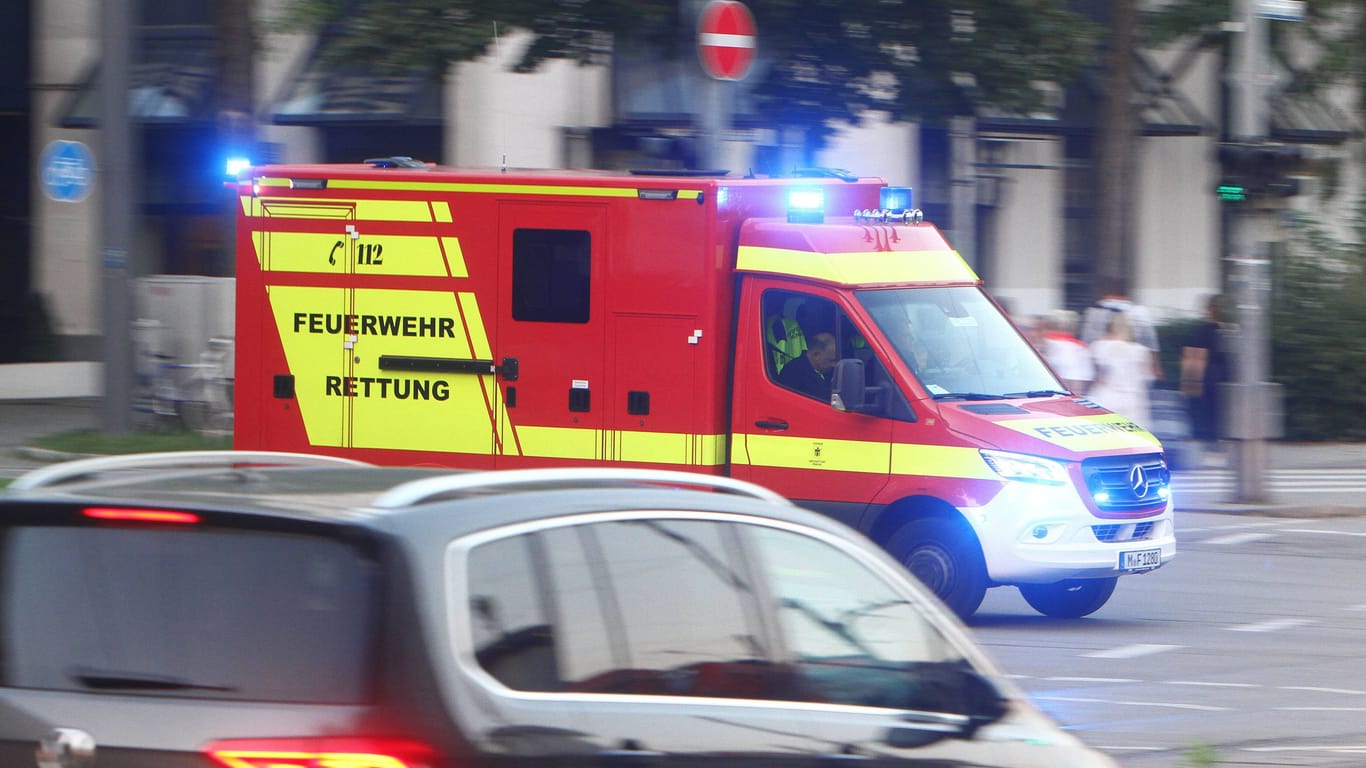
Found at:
<point>624,643</point>
<point>789,439</point>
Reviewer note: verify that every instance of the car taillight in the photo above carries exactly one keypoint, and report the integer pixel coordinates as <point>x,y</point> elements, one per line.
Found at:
<point>324,752</point>
<point>126,514</point>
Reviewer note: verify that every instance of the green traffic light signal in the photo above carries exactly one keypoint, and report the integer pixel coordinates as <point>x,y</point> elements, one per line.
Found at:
<point>1232,192</point>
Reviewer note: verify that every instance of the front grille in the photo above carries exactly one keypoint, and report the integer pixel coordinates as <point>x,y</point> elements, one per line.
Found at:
<point>1127,484</point>
<point>1123,532</point>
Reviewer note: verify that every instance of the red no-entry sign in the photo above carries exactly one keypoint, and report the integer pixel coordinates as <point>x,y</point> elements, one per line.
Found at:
<point>725,39</point>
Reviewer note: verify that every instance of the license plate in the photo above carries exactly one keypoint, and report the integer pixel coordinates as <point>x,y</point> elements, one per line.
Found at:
<point>1141,560</point>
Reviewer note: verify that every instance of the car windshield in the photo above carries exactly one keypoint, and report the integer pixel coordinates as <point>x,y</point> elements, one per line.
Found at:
<point>958,344</point>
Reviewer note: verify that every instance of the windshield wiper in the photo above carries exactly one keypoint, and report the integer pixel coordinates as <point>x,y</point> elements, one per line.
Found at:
<point>967,396</point>
<point>107,680</point>
<point>1037,393</point>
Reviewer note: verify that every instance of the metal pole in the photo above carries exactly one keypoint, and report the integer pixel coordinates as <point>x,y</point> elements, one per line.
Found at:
<point>709,145</point>
<point>1249,256</point>
<point>117,209</point>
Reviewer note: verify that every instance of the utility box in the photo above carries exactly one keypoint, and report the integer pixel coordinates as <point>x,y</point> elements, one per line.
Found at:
<point>178,314</point>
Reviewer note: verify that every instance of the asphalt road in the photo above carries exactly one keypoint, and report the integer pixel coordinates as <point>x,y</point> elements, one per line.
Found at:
<point>1252,642</point>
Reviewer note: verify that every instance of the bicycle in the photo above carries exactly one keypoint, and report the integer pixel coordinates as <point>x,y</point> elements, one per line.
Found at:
<point>205,404</point>
<point>174,396</point>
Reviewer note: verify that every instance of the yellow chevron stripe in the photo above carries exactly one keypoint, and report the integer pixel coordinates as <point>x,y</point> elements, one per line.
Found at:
<point>859,268</point>
<point>323,253</point>
<point>818,453</point>
<point>1103,432</point>
<point>940,461</point>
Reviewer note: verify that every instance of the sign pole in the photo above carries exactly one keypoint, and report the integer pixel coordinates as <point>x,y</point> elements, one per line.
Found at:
<point>117,211</point>
<point>1250,254</point>
<point>725,48</point>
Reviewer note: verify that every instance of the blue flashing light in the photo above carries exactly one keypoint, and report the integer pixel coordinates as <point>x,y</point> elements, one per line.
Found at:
<point>806,205</point>
<point>895,199</point>
<point>236,165</point>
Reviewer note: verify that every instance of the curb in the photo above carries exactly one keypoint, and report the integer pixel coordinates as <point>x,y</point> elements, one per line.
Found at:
<point>50,456</point>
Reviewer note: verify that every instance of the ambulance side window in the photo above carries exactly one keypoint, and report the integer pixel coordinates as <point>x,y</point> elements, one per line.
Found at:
<point>550,275</point>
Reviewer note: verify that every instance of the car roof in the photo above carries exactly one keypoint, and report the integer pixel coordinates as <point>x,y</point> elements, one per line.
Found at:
<point>329,489</point>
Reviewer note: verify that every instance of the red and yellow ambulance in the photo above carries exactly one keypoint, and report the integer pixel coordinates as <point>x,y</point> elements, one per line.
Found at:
<point>410,314</point>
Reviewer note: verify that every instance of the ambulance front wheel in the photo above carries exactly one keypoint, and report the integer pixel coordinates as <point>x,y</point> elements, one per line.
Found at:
<point>945,556</point>
<point>1070,599</point>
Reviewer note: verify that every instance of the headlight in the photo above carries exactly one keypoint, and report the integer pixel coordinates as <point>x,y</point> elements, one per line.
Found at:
<point>1029,469</point>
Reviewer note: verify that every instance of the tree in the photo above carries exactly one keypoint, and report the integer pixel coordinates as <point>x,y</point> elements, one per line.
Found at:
<point>828,60</point>
<point>1115,154</point>
<point>1318,321</point>
<point>1334,28</point>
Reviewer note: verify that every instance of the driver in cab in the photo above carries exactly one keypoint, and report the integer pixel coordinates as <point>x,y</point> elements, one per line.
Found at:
<point>810,373</point>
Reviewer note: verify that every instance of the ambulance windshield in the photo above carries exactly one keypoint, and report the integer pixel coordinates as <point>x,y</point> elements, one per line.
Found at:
<point>958,343</point>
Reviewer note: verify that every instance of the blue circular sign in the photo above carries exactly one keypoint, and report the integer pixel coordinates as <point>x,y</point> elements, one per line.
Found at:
<point>68,170</point>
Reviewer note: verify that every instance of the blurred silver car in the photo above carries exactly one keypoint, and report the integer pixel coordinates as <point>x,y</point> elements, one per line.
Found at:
<point>254,610</point>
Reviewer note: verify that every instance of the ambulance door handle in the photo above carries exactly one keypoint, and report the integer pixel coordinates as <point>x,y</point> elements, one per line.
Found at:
<point>766,424</point>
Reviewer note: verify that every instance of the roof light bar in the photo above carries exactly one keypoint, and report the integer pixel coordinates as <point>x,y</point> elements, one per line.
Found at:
<point>806,205</point>
<point>884,216</point>
<point>895,199</point>
<point>236,165</point>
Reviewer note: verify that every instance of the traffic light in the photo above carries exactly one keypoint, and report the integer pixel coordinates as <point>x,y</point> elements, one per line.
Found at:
<point>1250,170</point>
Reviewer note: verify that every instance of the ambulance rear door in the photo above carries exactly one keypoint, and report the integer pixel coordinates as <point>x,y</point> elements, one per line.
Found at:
<point>551,333</point>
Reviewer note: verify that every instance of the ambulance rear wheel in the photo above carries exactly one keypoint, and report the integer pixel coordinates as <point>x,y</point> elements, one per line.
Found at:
<point>944,555</point>
<point>1070,599</point>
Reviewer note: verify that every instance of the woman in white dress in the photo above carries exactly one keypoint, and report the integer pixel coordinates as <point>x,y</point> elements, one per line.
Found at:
<point>1124,371</point>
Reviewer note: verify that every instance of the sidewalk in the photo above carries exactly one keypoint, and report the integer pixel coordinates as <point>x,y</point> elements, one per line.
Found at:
<point>24,421</point>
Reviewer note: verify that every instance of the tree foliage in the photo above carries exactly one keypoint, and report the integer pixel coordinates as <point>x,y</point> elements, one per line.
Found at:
<point>1318,323</point>
<point>826,60</point>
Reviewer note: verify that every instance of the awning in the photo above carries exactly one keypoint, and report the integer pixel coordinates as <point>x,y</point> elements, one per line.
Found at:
<point>171,82</point>
<point>1164,111</point>
<point>1308,119</point>
<point>326,93</point>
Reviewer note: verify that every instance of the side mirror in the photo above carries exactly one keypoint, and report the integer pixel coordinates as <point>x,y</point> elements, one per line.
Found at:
<point>949,702</point>
<point>849,390</point>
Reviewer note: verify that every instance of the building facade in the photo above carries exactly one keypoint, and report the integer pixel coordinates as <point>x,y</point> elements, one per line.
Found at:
<point>1016,196</point>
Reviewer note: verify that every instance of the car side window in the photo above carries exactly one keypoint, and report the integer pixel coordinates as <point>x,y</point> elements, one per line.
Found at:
<point>513,637</point>
<point>574,569</point>
<point>686,610</point>
<point>851,637</point>
<point>645,607</point>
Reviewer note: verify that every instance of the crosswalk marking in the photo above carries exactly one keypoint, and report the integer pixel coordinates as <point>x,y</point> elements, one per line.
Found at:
<point>1240,538</point>
<point>1296,480</point>
<point>1130,651</point>
<point>1270,625</point>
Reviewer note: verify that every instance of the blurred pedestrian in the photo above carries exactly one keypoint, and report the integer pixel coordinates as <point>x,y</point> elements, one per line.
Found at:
<point>1124,371</point>
<point>1204,366</point>
<point>1069,355</point>
<point>1096,321</point>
